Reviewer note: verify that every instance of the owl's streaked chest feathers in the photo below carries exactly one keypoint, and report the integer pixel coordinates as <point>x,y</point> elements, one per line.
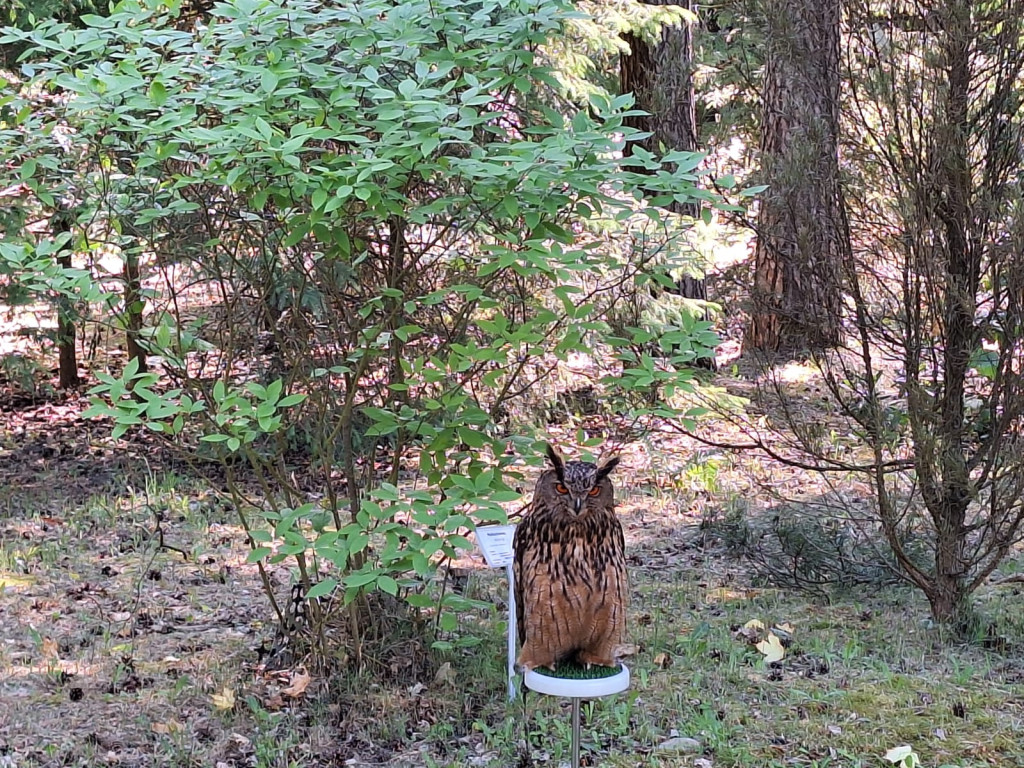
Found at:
<point>577,549</point>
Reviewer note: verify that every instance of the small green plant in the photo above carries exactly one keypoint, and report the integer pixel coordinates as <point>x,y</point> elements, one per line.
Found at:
<point>25,374</point>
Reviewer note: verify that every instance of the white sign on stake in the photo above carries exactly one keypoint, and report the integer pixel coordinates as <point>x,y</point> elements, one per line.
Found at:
<point>495,541</point>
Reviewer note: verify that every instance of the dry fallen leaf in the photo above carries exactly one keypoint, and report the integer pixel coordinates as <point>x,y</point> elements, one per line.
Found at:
<point>662,661</point>
<point>225,699</point>
<point>772,649</point>
<point>903,755</point>
<point>625,649</point>
<point>750,632</point>
<point>724,594</point>
<point>445,674</point>
<point>299,683</point>
<point>50,649</point>
<point>10,583</point>
<point>171,726</point>
<point>784,633</point>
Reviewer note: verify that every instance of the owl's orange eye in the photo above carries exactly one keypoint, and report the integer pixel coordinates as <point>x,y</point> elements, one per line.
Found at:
<point>561,488</point>
<point>594,491</point>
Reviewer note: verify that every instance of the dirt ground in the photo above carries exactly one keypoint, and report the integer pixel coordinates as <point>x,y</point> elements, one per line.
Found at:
<point>134,633</point>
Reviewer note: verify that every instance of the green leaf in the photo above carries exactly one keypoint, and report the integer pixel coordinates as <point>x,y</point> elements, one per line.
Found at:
<point>357,543</point>
<point>274,390</point>
<point>419,600</point>
<point>258,554</point>
<point>158,93</point>
<point>268,81</point>
<point>361,579</point>
<point>322,588</point>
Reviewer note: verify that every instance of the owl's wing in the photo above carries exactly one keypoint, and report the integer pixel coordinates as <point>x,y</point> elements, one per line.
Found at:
<point>520,546</point>
<point>617,578</point>
<point>619,563</point>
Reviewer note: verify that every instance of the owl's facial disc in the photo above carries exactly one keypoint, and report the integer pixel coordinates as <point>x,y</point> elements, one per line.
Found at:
<point>579,479</point>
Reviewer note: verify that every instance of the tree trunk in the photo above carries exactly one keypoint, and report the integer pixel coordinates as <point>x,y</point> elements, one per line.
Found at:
<point>60,224</point>
<point>948,594</point>
<point>800,242</point>
<point>660,79</point>
<point>948,492</point>
<point>134,303</point>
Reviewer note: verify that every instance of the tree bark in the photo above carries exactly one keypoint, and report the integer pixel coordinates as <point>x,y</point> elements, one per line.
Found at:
<point>67,370</point>
<point>801,231</point>
<point>948,493</point>
<point>134,303</point>
<point>660,77</point>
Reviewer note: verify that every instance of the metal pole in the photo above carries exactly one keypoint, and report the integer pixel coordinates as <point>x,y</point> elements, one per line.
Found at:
<point>511,632</point>
<point>575,733</point>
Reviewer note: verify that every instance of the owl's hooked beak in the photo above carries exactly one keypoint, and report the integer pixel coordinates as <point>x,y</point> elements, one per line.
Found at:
<point>577,504</point>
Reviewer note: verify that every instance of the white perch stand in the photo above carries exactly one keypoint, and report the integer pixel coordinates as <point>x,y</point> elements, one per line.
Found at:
<point>577,690</point>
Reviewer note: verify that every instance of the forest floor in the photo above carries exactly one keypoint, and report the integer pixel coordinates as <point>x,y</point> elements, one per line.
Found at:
<point>133,633</point>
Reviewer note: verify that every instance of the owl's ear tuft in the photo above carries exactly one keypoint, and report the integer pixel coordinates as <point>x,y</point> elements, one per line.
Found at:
<point>556,461</point>
<point>606,467</point>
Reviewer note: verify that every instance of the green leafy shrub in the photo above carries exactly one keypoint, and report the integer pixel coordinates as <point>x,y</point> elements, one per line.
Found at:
<point>386,215</point>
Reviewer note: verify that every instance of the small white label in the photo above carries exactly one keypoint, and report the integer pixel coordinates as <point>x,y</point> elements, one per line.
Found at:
<point>495,541</point>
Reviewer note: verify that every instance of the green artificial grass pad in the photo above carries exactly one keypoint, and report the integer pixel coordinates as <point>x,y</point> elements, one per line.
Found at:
<point>570,670</point>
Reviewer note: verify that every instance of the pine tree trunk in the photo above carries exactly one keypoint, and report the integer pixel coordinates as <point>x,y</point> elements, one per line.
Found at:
<point>801,231</point>
<point>947,594</point>
<point>948,491</point>
<point>660,79</point>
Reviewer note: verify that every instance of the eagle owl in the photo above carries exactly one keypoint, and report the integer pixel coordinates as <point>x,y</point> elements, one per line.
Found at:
<point>570,568</point>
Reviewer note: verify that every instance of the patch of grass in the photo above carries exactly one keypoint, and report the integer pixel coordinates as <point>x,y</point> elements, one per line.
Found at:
<point>860,675</point>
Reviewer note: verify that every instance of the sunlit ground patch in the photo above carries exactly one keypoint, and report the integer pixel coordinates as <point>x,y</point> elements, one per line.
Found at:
<point>10,582</point>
